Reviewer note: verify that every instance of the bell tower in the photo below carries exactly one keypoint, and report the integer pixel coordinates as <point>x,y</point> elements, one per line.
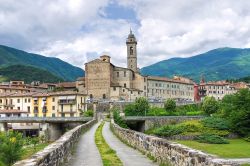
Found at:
<point>132,52</point>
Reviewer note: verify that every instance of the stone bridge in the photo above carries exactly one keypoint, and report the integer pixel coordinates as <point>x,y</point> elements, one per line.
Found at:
<point>51,127</point>
<point>142,123</point>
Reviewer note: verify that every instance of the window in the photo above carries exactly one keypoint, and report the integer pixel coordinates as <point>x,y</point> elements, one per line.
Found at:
<point>28,108</point>
<point>53,115</point>
<point>18,108</point>
<point>131,50</point>
<point>28,100</point>
<point>117,74</point>
<point>1,101</point>
<point>25,100</point>
<point>104,96</point>
<point>125,85</point>
<point>53,99</point>
<point>53,107</point>
<point>18,100</point>
<point>71,107</point>
<point>124,73</point>
<point>63,114</point>
<point>91,96</point>
<point>114,88</point>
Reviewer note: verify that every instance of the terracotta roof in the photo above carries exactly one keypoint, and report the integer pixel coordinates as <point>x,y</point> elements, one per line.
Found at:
<point>156,78</point>
<point>41,94</point>
<point>80,79</point>
<point>13,111</point>
<point>67,84</point>
<point>13,87</point>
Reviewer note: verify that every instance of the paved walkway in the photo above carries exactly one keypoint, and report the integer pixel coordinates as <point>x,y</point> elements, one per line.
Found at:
<point>128,155</point>
<point>86,153</point>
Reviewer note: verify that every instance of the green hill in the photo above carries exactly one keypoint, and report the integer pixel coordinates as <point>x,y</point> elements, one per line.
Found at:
<point>27,74</point>
<point>218,64</point>
<point>10,56</point>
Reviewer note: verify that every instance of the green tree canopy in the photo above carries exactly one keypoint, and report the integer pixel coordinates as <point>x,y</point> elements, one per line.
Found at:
<point>170,105</point>
<point>210,105</point>
<point>141,106</point>
<point>236,108</point>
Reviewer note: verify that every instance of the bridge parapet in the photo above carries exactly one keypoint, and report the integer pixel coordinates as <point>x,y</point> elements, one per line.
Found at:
<point>44,119</point>
<point>146,122</point>
<point>56,153</point>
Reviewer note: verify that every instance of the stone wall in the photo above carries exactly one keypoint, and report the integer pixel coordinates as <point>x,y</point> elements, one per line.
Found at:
<point>57,152</point>
<point>151,122</point>
<point>170,153</point>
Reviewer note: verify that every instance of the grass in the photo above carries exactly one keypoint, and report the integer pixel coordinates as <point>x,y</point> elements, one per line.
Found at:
<point>109,157</point>
<point>29,151</point>
<point>237,148</point>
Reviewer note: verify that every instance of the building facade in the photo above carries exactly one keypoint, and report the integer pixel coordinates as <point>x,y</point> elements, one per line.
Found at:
<point>105,81</point>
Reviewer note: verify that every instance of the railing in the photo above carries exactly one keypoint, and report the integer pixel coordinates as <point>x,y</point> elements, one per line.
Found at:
<point>44,119</point>
<point>66,102</point>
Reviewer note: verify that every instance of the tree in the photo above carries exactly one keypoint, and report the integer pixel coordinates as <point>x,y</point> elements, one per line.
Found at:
<point>210,105</point>
<point>141,106</point>
<point>170,105</point>
<point>11,144</point>
<point>236,109</point>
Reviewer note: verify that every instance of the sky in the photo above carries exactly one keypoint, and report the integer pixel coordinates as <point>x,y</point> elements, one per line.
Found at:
<point>78,31</point>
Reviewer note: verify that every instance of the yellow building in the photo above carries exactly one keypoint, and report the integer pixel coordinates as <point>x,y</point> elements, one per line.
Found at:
<point>53,104</point>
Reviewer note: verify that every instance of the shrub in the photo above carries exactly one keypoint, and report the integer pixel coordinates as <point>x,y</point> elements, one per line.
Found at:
<point>169,130</point>
<point>118,119</point>
<point>247,138</point>
<point>89,113</point>
<point>170,105</point>
<point>211,139</point>
<point>194,113</point>
<point>192,126</point>
<point>210,105</point>
<point>130,110</point>
<point>156,111</point>
<point>141,106</point>
<point>216,123</point>
<point>11,144</point>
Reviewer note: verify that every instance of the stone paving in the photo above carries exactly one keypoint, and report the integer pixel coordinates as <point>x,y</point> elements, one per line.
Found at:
<point>128,155</point>
<point>86,152</point>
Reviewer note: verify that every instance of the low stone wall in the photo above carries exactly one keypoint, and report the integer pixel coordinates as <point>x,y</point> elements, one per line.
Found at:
<point>57,152</point>
<point>170,153</point>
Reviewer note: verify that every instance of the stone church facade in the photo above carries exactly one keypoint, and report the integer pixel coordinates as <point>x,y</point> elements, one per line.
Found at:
<point>103,80</point>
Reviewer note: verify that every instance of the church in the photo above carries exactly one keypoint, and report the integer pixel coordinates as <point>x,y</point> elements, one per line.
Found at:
<point>104,80</point>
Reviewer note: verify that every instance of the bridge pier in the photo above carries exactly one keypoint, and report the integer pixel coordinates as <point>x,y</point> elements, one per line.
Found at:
<point>3,127</point>
<point>55,131</point>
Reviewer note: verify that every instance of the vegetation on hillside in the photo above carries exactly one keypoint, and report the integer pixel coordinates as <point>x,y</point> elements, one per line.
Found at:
<point>27,74</point>
<point>10,56</point>
<point>217,64</point>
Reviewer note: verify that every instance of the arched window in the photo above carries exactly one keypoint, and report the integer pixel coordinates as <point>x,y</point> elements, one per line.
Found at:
<point>131,50</point>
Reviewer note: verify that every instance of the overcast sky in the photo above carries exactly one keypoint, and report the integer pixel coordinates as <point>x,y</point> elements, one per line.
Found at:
<point>77,31</point>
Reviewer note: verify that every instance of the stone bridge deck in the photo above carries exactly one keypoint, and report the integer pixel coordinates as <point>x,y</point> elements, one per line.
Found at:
<point>44,119</point>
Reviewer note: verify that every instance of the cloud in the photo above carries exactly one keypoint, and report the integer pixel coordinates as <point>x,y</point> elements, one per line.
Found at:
<point>78,31</point>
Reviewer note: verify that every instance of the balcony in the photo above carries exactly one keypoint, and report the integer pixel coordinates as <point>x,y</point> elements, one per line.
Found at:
<point>67,102</point>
